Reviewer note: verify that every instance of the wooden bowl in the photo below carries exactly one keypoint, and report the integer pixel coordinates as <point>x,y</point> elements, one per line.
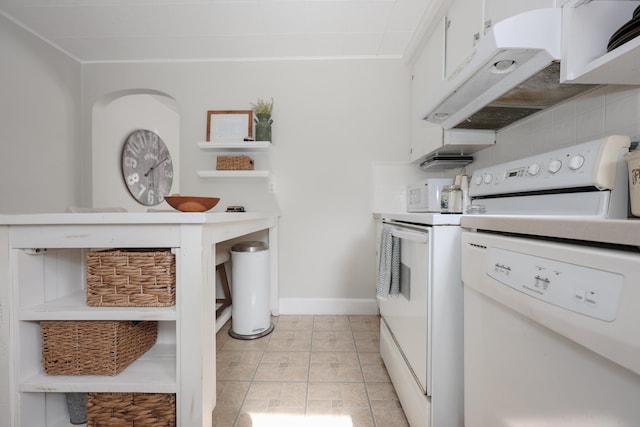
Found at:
<point>192,203</point>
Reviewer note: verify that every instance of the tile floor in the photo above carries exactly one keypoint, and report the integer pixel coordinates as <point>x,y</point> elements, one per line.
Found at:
<point>311,371</point>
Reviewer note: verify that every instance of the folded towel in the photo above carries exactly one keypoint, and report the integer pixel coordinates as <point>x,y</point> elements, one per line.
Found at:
<point>389,266</point>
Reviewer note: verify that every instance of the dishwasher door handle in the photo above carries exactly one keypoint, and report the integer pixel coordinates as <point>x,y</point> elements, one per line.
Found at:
<point>408,235</point>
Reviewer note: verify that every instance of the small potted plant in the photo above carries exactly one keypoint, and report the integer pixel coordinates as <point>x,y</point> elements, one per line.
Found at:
<point>263,121</point>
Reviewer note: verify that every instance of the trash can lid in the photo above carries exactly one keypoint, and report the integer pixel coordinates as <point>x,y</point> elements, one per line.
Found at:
<point>253,246</point>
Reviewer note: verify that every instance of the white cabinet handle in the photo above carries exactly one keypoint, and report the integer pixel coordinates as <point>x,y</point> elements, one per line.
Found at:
<point>415,237</point>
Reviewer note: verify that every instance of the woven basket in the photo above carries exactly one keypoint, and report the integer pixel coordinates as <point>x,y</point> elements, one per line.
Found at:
<point>131,278</point>
<point>94,347</point>
<point>131,410</point>
<point>234,163</point>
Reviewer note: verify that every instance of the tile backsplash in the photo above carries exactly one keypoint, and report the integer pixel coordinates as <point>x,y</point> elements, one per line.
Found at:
<point>606,110</point>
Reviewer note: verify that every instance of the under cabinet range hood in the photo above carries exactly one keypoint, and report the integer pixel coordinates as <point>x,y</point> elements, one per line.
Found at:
<point>513,72</point>
<point>457,148</point>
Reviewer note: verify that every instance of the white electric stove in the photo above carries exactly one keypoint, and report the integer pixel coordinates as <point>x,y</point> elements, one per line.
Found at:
<point>588,179</point>
<point>421,325</point>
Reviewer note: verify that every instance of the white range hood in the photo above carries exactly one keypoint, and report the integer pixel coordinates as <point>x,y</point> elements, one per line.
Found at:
<point>513,72</point>
<point>457,148</point>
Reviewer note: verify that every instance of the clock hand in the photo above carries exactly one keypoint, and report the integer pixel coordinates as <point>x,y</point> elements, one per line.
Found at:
<point>151,195</point>
<point>156,165</point>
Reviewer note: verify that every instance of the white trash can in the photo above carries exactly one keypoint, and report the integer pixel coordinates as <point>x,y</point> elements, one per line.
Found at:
<point>250,291</point>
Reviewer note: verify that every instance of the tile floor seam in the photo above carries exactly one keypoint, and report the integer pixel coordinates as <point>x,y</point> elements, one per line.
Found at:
<point>306,397</point>
<point>251,381</point>
<point>236,419</point>
<point>364,380</point>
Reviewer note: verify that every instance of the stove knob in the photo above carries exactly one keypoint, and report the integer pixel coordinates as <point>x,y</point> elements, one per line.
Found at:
<point>576,162</point>
<point>533,169</point>
<point>555,166</point>
<point>488,178</point>
<point>478,180</point>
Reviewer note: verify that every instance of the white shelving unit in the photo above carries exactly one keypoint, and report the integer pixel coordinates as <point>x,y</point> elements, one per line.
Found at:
<point>586,29</point>
<point>231,148</point>
<point>246,146</point>
<point>50,285</point>
<point>155,370</point>
<point>73,307</point>
<point>45,260</point>
<point>233,174</point>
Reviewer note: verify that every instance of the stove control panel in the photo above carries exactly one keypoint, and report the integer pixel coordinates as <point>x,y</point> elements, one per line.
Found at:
<point>589,291</point>
<point>590,164</point>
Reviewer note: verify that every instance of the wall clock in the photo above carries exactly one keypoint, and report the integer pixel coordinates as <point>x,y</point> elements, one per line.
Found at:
<point>147,168</point>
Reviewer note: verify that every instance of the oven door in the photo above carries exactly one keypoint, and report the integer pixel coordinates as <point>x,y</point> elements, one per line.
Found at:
<point>407,314</point>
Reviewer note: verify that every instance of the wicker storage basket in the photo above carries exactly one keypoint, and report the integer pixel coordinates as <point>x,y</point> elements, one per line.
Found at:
<point>131,278</point>
<point>234,163</point>
<point>93,347</point>
<point>131,410</point>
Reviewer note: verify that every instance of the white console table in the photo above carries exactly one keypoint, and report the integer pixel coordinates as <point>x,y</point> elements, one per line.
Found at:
<point>42,267</point>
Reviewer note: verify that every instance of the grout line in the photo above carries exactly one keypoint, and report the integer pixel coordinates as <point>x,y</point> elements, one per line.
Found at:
<point>306,398</point>
<point>364,379</point>
<point>253,377</point>
<point>236,419</point>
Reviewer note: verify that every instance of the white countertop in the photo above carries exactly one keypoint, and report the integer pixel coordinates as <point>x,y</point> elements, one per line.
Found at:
<point>612,231</point>
<point>168,217</point>
<point>427,218</point>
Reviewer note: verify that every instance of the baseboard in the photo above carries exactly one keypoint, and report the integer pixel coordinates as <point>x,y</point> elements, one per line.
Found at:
<point>329,306</point>
<point>224,317</point>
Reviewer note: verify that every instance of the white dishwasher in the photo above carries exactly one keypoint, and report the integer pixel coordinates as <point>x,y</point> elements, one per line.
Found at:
<point>552,333</point>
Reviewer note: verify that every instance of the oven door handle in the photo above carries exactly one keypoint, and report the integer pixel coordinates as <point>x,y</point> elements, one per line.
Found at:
<point>415,237</point>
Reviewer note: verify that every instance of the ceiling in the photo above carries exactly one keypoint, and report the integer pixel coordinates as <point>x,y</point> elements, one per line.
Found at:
<point>185,30</point>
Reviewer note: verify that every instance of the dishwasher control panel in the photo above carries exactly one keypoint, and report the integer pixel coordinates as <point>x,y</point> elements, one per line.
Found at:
<point>585,290</point>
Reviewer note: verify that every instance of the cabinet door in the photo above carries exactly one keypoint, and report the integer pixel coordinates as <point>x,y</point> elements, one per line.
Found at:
<point>498,10</point>
<point>464,27</point>
<point>427,77</point>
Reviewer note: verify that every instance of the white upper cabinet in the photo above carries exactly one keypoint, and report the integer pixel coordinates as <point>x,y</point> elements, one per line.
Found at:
<point>463,29</point>
<point>498,10</point>
<point>450,45</point>
<point>587,27</point>
<point>427,77</point>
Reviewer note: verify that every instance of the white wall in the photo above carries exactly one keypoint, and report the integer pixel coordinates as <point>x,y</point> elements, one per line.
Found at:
<point>40,124</point>
<point>332,120</point>
<point>39,149</point>
<point>113,119</point>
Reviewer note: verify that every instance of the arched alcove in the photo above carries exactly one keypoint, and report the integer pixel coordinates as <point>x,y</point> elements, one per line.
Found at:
<point>114,117</point>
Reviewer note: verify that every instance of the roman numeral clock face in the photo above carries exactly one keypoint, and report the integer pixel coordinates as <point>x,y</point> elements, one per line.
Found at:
<point>146,167</point>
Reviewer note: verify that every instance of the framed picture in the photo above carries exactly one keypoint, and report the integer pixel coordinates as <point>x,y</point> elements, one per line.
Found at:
<point>229,125</point>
